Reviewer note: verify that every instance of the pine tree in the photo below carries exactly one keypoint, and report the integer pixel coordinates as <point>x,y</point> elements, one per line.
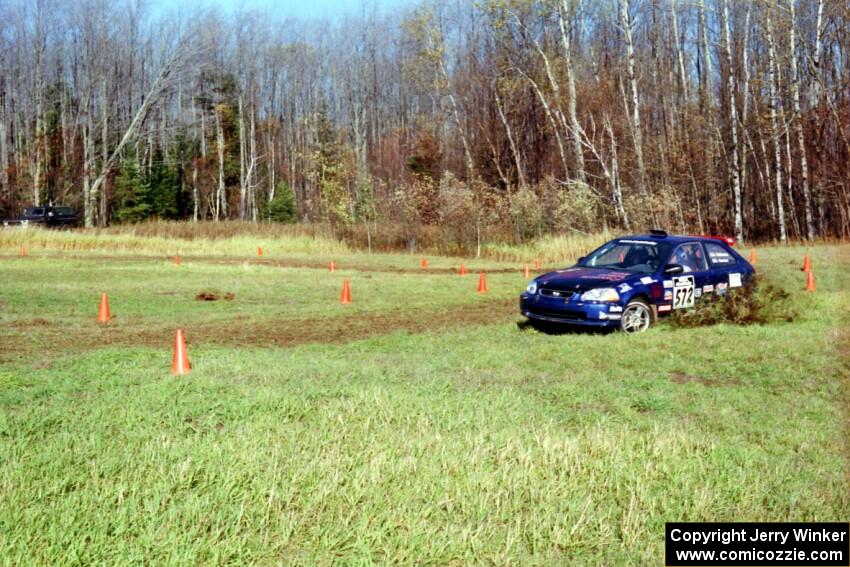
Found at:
<point>132,193</point>
<point>282,208</point>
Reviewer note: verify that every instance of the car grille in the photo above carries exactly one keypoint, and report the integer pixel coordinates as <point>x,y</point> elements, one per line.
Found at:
<point>565,315</point>
<point>556,293</point>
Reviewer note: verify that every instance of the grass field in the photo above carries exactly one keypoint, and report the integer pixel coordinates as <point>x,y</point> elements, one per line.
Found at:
<point>418,425</point>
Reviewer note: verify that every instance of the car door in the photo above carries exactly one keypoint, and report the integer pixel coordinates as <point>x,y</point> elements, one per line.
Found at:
<point>688,287</point>
<point>724,268</point>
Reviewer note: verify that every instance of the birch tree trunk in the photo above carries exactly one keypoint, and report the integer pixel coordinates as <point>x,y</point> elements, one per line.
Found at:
<point>683,77</point>
<point>242,158</point>
<point>708,72</point>
<point>104,140</point>
<point>617,193</point>
<point>790,186</point>
<point>88,209</point>
<point>195,204</point>
<point>774,126</point>
<point>38,137</point>
<point>221,194</point>
<point>637,133</point>
<point>798,124</point>
<point>252,169</point>
<point>270,147</point>
<point>195,196</point>
<point>4,150</point>
<point>511,142</point>
<point>575,129</point>
<point>745,102</point>
<point>814,102</point>
<point>733,122</point>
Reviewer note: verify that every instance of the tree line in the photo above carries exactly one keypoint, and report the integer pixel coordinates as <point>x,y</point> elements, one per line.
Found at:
<point>501,118</point>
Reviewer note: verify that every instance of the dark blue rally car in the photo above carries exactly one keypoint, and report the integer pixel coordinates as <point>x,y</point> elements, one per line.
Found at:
<point>630,281</point>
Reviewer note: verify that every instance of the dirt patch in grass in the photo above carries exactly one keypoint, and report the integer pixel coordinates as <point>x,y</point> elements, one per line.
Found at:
<point>29,323</point>
<point>215,296</point>
<point>682,378</point>
<point>240,332</point>
<point>349,328</point>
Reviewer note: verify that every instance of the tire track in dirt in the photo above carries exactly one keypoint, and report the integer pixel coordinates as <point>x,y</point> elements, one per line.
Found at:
<point>274,262</point>
<point>257,334</point>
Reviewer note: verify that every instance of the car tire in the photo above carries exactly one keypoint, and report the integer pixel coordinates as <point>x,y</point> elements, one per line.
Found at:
<point>638,316</point>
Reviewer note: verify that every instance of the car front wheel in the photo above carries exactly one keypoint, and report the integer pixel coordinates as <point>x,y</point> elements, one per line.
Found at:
<point>638,316</point>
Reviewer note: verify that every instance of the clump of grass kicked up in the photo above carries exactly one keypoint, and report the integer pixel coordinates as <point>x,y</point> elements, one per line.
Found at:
<point>760,303</point>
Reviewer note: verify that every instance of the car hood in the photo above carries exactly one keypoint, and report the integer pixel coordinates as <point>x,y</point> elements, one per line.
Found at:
<point>583,279</point>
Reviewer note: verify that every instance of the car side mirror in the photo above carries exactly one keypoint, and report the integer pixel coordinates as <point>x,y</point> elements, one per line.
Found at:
<point>580,259</point>
<point>673,269</point>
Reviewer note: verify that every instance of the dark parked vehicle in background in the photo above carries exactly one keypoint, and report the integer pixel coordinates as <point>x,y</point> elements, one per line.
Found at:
<point>52,217</point>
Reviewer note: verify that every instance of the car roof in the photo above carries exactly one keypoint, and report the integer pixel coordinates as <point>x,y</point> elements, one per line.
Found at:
<point>672,238</point>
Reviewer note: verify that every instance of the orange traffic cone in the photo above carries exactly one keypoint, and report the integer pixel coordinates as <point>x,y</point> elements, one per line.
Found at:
<point>176,260</point>
<point>259,250</point>
<point>537,265</point>
<point>810,280</point>
<point>424,263</point>
<point>527,273</point>
<point>180,362</point>
<point>332,267</point>
<point>807,264</point>
<point>482,283</point>
<point>22,251</point>
<point>462,269</point>
<point>345,296</point>
<point>103,312</point>
<point>753,257</point>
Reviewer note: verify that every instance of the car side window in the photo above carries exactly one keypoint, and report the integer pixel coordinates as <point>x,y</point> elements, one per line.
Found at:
<point>718,256</point>
<point>690,256</point>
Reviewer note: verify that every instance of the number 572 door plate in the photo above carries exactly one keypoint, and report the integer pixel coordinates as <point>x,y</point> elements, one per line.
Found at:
<point>683,292</point>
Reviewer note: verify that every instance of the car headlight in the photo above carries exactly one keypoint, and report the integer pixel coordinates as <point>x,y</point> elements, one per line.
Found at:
<point>532,288</point>
<point>601,294</point>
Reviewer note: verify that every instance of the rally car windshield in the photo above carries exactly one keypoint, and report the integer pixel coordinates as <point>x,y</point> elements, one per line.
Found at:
<point>642,256</point>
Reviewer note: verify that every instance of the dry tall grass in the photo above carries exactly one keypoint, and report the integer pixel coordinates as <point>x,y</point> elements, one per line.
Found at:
<point>558,249</point>
<point>231,237</point>
<point>239,238</point>
<point>173,238</point>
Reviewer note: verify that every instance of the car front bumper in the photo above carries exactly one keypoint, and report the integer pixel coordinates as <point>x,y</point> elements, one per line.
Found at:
<point>570,312</point>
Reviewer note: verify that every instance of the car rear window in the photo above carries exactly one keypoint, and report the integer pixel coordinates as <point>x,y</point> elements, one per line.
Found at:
<point>718,256</point>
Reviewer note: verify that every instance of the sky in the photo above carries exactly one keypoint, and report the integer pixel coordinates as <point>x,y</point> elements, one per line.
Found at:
<point>282,9</point>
